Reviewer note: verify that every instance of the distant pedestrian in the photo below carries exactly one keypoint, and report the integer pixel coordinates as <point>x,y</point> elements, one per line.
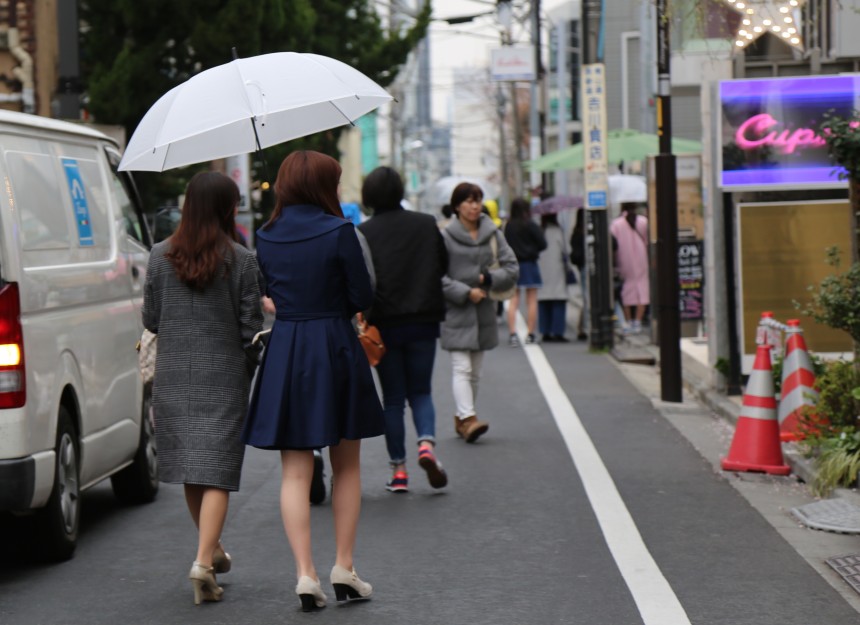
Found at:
<point>314,387</point>
<point>577,257</point>
<point>409,259</point>
<point>527,241</point>
<point>555,266</point>
<point>470,328</point>
<point>631,233</point>
<point>202,300</point>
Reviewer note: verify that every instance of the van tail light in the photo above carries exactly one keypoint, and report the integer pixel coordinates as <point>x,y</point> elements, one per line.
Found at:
<point>12,379</point>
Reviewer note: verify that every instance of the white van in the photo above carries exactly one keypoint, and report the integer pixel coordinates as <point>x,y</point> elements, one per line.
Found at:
<point>73,255</point>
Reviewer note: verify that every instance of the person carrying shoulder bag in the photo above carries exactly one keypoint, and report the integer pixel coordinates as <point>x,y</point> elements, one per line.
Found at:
<point>408,260</point>
<point>470,328</point>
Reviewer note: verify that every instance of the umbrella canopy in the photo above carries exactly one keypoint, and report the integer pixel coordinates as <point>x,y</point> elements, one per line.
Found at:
<point>249,104</point>
<point>625,188</point>
<point>623,146</point>
<point>440,191</point>
<point>556,204</point>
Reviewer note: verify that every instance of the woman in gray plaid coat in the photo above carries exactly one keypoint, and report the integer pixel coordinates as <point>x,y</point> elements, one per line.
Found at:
<point>202,300</point>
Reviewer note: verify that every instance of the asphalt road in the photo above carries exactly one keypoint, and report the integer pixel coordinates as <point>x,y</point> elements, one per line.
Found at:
<point>516,538</point>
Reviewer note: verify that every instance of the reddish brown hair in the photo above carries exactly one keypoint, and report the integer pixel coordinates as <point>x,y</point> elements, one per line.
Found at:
<point>307,177</point>
<point>206,230</point>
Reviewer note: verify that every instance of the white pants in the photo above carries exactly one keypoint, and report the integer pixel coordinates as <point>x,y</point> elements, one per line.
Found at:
<point>466,367</point>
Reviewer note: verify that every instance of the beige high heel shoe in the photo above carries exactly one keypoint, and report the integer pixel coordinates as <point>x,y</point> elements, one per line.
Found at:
<point>310,593</point>
<point>206,588</point>
<point>347,584</point>
<point>221,560</point>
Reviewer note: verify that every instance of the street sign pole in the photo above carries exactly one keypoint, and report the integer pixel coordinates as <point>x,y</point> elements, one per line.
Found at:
<point>593,81</point>
<point>667,224</point>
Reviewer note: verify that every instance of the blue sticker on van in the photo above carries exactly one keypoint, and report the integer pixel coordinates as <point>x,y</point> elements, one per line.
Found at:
<point>79,201</point>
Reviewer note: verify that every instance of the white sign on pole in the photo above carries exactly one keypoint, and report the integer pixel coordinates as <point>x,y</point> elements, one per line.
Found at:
<point>512,63</point>
<point>594,136</point>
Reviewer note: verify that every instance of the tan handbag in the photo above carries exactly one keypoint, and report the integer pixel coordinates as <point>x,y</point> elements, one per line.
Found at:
<point>499,296</point>
<point>370,340</point>
<point>146,352</point>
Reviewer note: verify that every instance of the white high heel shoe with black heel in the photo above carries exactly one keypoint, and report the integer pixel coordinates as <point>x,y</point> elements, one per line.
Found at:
<point>348,585</point>
<point>310,593</point>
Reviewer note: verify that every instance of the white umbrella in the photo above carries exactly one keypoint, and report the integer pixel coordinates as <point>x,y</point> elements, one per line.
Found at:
<point>626,188</point>
<point>249,104</point>
<point>441,190</point>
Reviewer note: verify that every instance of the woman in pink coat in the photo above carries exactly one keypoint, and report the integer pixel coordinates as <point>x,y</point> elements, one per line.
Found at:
<point>631,260</point>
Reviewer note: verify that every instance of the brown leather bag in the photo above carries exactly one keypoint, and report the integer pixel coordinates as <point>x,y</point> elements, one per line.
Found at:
<point>370,340</point>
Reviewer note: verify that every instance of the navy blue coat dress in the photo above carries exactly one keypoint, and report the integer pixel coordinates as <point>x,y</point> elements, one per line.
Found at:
<point>314,386</point>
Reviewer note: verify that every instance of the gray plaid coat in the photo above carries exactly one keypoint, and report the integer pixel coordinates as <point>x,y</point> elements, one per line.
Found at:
<point>203,368</point>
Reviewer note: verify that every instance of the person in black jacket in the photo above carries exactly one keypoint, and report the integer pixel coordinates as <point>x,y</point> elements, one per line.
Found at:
<point>409,259</point>
<point>526,239</point>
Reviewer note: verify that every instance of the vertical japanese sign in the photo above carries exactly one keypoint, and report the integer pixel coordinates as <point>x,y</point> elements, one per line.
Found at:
<point>593,78</point>
<point>691,280</point>
<point>79,201</point>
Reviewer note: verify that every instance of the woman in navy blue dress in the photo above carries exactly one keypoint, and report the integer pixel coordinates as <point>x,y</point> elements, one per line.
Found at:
<point>314,388</point>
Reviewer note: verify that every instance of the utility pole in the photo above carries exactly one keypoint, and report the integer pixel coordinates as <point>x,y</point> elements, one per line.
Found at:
<point>598,248</point>
<point>562,76</point>
<point>536,139</point>
<point>504,195</point>
<point>669,319</point>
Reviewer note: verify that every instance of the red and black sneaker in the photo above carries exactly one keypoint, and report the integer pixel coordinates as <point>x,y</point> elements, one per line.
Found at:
<point>399,483</point>
<point>435,473</point>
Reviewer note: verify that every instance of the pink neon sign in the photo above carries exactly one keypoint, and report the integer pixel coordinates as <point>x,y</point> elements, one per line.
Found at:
<point>753,133</point>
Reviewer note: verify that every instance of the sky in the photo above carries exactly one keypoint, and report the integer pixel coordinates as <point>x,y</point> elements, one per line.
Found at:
<point>466,45</point>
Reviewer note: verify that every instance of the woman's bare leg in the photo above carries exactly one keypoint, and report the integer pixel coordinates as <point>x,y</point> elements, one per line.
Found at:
<point>531,309</point>
<point>345,460</point>
<point>513,307</point>
<point>297,469</point>
<point>208,508</point>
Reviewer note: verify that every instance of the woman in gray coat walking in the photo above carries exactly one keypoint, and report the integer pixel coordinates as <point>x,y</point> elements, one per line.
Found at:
<point>202,300</point>
<point>479,261</point>
<point>555,266</point>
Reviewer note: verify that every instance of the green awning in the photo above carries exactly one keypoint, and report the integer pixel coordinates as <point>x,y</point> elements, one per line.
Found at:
<point>623,145</point>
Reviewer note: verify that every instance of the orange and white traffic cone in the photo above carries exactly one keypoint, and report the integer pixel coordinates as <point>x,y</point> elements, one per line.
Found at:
<point>798,383</point>
<point>755,445</point>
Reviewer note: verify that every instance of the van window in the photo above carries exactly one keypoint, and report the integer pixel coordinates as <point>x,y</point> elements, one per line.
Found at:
<point>36,191</point>
<point>131,221</point>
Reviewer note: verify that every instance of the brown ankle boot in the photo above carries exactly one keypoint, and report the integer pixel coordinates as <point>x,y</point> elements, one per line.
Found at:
<point>469,429</point>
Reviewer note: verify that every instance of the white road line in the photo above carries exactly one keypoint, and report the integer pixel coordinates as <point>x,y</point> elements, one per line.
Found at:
<point>652,593</point>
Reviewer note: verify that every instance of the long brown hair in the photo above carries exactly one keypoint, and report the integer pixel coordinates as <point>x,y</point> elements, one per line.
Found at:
<point>208,225</point>
<point>307,177</point>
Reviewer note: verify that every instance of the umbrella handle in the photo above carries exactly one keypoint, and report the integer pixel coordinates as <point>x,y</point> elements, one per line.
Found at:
<point>254,83</point>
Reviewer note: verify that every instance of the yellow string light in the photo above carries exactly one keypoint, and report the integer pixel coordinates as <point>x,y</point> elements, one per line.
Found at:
<point>774,16</point>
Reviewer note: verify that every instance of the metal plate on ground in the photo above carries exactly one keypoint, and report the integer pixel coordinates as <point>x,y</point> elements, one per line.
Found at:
<point>832,515</point>
<point>633,355</point>
<point>848,567</point>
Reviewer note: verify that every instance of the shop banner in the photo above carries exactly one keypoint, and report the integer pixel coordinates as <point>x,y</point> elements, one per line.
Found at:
<point>691,280</point>
<point>770,131</point>
<point>594,136</point>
